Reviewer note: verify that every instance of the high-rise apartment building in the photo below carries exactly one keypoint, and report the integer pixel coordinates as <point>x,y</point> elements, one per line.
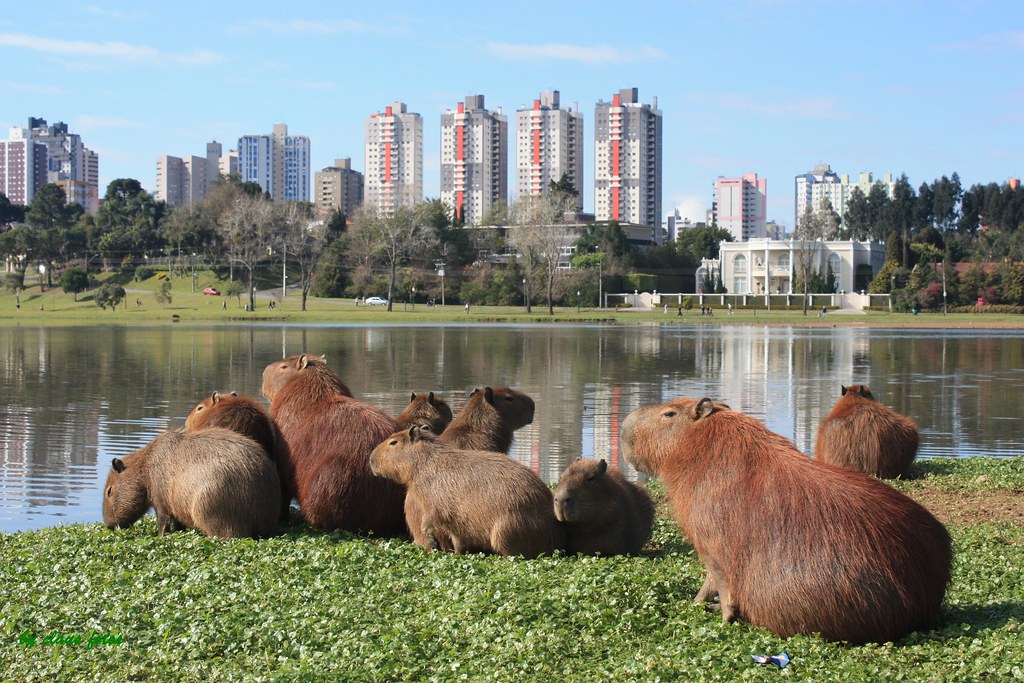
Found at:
<point>69,162</point>
<point>278,162</point>
<point>183,181</point>
<point>742,204</point>
<point>627,160</point>
<point>549,144</point>
<point>394,159</point>
<point>812,188</point>
<point>338,188</point>
<point>474,159</point>
<point>22,166</point>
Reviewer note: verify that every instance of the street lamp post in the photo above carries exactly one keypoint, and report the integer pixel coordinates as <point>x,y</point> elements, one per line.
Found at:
<point>577,301</point>
<point>414,297</point>
<point>525,304</point>
<point>892,288</point>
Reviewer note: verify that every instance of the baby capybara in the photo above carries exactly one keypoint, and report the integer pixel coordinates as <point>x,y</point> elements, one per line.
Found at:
<point>483,501</point>
<point>862,434</point>
<point>788,543</point>
<point>488,419</point>
<point>427,409</point>
<point>214,480</point>
<point>485,423</point>
<point>327,438</point>
<point>246,416</point>
<point>603,513</point>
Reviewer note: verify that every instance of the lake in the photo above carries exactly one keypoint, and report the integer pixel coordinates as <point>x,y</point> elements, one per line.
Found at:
<point>73,398</point>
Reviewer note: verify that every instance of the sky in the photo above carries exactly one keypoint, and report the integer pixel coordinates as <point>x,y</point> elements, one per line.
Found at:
<point>773,87</point>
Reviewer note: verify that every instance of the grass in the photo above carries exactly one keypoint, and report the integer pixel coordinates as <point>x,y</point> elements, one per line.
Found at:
<point>331,606</point>
<point>54,307</point>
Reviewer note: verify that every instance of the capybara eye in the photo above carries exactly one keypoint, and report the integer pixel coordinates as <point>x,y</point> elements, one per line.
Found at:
<point>393,442</point>
<point>110,490</point>
<point>669,413</point>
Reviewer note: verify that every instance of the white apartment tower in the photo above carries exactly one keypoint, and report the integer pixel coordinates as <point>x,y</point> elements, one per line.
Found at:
<point>338,188</point>
<point>627,160</point>
<point>278,162</point>
<point>811,188</point>
<point>394,159</point>
<point>183,181</point>
<point>474,159</point>
<point>742,205</point>
<point>70,164</point>
<point>549,144</point>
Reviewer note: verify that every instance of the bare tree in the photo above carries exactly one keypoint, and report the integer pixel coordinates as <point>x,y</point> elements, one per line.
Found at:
<point>301,241</point>
<point>248,228</point>
<point>378,238</point>
<point>537,230</point>
<point>813,227</point>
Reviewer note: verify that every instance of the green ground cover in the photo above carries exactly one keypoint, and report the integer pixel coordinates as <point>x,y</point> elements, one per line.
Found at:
<point>310,605</point>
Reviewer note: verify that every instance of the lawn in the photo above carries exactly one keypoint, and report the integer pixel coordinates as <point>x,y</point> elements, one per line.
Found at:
<point>310,605</point>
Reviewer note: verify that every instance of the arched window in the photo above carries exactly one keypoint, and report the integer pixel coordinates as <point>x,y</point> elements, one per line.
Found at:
<point>739,265</point>
<point>784,260</point>
<point>836,264</point>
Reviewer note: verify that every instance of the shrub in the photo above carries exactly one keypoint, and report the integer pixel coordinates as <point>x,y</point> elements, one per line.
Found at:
<point>144,273</point>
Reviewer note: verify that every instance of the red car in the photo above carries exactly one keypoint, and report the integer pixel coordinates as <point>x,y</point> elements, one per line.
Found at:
<point>210,291</point>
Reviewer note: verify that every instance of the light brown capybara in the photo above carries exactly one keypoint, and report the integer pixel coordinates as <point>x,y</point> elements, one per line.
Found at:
<point>247,416</point>
<point>214,480</point>
<point>328,437</point>
<point>788,543</point>
<point>864,435</point>
<point>485,423</point>
<point>603,513</point>
<point>482,500</point>
<point>427,409</point>
<point>488,419</point>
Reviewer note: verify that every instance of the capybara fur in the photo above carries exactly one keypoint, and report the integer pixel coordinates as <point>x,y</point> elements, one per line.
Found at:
<point>485,423</point>
<point>247,416</point>
<point>425,409</point>
<point>862,434</point>
<point>214,480</point>
<point>789,543</point>
<point>603,513</point>
<point>488,419</point>
<point>482,500</point>
<point>327,437</point>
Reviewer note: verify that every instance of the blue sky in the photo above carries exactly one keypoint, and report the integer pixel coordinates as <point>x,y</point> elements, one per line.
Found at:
<point>768,86</point>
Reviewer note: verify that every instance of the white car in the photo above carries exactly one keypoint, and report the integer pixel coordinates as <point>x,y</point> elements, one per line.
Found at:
<point>375,301</point>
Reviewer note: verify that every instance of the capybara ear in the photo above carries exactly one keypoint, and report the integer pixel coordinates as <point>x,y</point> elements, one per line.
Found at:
<point>843,389</point>
<point>302,362</point>
<point>413,397</point>
<point>489,395</point>
<point>425,430</point>
<point>234,393</point>
<point>414,433</point>
<point>118,465</point>
<point>215,397</point>
<point>474,392</point>
<point>602,466</point>
<point>704,407</point>
<point>430,398</point>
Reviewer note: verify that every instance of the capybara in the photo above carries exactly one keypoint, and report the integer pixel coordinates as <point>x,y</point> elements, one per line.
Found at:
<point>485,423</point>
<point>214,480</point>
<point>327,438</point>
<point>788,543</point>
<point>482,500</point>
<point>247,416</point>
<point>425,409</point>
<point>862,434</point>
<point>603,513</point>
<point>488,419</point>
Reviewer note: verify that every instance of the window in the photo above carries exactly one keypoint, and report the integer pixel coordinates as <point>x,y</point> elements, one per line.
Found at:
<point>739,265</point>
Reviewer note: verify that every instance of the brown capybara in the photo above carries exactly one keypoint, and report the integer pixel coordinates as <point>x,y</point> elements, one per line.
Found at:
<point>427,409</point>
<point>862,434</point>
<point>485,423</point>
<point>482,500</point>
<point>214,480</point>
<point>788,543</point>
<point>488,419</point>
<point>247,416</point>
<point>327,437</point>
<point>603,513</point>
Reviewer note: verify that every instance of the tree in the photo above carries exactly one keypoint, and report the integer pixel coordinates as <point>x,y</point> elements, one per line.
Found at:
<point>814,226</point>
<point>900,214</point>
<point>54,221</point>
<point>163,295</point>
<point>133,217</point>
<point>74,280</point>
<point>702,243</point>
<point>857,220</point>
<point>302,240</point>
<point>537,231</point>
<point>109,294</point>
<point>566,188</point>
<point>10,213</point>
<point>247,230</point>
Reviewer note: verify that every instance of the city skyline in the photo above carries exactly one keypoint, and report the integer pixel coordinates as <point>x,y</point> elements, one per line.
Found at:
<point>767,87</point>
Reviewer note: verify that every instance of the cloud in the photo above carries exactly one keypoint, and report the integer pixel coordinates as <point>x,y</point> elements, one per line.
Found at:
<point>781,106</point>
<point>114,14</point>
<point>592,54</point>
<point>31,88</point>
<point>313,26</point>
<point>88,123</point>
<point>690,206</point>
<point>990,42</point>
<point>113,50</point>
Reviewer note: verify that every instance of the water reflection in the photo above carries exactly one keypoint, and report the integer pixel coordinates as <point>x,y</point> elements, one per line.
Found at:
<point>75,398</point>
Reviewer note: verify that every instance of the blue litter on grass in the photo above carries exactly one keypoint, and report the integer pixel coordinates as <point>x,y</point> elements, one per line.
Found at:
<point>780,661</point>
